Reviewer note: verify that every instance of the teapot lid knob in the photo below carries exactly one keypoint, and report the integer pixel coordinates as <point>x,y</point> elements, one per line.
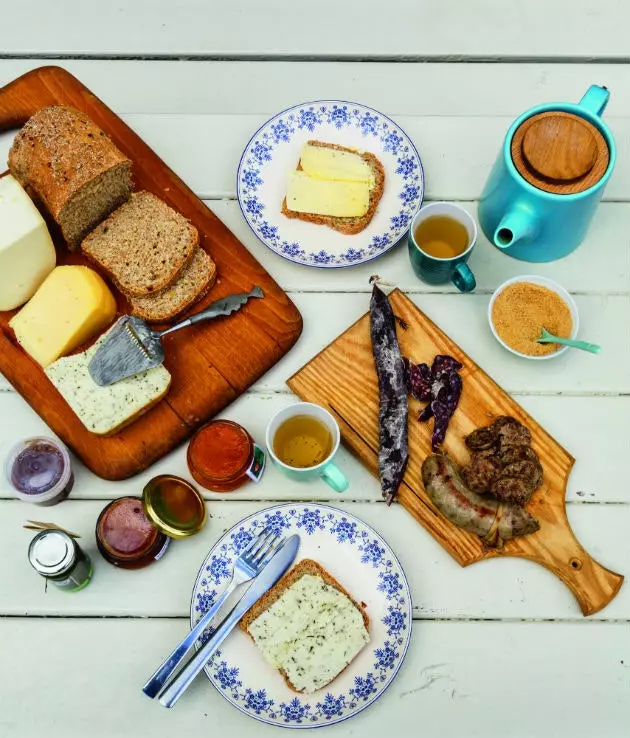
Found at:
<point>560,149</point>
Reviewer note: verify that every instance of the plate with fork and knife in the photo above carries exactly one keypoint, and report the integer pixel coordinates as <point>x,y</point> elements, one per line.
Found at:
<point>259,549</point>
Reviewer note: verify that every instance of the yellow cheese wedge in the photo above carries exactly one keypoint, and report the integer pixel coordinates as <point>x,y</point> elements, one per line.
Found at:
<point>72,304</point>
<point>327,197</point>
<point>321,162</point>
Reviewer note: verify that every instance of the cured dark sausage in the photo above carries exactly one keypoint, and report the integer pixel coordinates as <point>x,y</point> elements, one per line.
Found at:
<point>494,522</point>
<point>393,449</point>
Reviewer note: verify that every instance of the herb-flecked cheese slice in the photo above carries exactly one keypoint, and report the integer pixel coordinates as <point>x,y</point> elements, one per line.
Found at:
<point>102,410</point>
<point>311,633</point>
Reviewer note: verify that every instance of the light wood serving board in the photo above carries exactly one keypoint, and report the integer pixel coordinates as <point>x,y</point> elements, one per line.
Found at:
<point>342,378</point>
<point>212,363</point>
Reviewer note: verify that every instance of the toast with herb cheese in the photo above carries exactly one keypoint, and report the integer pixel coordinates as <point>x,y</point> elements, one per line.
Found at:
<point>308,627</point>
<point>346,225</point>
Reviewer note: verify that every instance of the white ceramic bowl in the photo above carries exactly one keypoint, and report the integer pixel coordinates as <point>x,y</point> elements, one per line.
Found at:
<point>543,281</point>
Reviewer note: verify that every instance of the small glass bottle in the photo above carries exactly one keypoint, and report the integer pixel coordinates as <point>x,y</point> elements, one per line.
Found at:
<point>133,532</point>
<point>39,471</point>
<point>222,456</point>
<point>58,558</point>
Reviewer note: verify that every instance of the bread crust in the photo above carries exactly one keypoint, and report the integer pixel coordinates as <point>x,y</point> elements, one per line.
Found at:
<point>347,226</point>
<point>306,566</point>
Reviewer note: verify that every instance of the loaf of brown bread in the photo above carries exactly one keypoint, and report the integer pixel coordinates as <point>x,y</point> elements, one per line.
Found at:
<point>71,168</point>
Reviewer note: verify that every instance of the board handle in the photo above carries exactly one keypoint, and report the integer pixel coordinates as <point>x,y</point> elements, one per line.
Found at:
<point>593,585</point>
<point>23,97</point>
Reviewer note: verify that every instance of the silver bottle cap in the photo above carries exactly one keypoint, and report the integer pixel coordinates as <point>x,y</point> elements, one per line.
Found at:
<point>51,553</point>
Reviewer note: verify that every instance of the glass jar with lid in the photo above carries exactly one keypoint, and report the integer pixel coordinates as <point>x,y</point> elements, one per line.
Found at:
<point>133,532</point>
<point>222,456</point>
<point>57,557</point>
<point>39,471</point>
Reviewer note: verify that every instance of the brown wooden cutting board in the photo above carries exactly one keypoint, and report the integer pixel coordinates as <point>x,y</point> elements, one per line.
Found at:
<point>212,363</point>
<point>342,378</point>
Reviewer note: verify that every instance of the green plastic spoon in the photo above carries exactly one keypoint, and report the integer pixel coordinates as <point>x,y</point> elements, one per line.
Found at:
<point>546,337</point>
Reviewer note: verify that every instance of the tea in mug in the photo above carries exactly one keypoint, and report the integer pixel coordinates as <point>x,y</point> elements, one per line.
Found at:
<point>302,442</point>
<point>441,237</point>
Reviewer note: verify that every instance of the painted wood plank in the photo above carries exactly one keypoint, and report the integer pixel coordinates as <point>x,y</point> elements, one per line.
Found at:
<point>603,318</point>
<point>600,264</point>
<point>440,588</point>
<point>594,429</point>
<point>457,152</point>
<point>430,29</point>
<point>454,682</point>
<point>128,86</point>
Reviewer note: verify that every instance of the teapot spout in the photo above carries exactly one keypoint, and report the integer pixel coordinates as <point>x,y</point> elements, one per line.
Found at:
<point>516,225</point>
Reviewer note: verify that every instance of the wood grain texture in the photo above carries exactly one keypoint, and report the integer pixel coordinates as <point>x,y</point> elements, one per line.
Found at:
<point>342,378</point>
<point>560,152</point>
<point>212,363</point>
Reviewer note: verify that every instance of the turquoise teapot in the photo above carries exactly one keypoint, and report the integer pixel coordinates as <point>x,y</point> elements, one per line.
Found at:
<point>549,178</point>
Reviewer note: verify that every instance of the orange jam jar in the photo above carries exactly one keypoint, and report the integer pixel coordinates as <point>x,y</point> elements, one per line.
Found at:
<point>222,456</point>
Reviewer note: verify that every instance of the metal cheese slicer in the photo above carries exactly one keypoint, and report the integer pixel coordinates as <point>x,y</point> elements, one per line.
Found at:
<point>132,346</point>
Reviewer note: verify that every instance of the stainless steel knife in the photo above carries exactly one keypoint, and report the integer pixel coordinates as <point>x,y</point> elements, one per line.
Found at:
<point>263,582</point>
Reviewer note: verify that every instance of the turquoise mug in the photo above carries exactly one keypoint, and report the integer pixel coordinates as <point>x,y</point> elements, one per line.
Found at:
<point>533,224</point>
<point>437,270</point>
<point>326,470</point>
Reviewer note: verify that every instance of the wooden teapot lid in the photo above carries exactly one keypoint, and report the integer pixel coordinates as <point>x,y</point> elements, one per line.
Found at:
<point>560,152</point>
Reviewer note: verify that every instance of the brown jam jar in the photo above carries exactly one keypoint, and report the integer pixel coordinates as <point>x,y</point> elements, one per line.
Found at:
<point>222,456</point>
<point>126,538</point>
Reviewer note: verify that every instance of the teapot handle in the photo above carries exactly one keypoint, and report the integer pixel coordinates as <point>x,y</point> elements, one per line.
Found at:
<point>595,99</point>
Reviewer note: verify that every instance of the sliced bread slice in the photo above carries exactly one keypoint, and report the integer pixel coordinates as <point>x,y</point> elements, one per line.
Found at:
<point>195,279</point>
<point>347,226</point>
<point>308,627</point>
<point>106,410</point>
<point>144,244</point>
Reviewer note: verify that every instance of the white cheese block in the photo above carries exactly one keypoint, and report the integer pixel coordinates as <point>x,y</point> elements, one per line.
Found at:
<point>105,410</point>
<point>327,197</point>
<point>27,253</point>
<point>311,632</point>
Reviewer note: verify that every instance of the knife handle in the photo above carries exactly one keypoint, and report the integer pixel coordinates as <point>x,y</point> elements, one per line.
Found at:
<point>163,674</point>
<point>183,680</point>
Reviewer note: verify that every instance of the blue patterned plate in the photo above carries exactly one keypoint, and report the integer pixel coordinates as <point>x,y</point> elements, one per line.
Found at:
<point>274,151</point>
<point>363,563</point>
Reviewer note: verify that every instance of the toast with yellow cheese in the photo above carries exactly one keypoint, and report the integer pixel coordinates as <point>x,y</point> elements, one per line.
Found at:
<point>333,187</point>
<point>308,627</point>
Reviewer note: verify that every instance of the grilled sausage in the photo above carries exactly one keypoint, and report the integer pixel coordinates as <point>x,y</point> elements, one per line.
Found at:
<point>492,521</point>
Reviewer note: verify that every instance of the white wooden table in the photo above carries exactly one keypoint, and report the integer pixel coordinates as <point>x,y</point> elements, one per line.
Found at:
<point>499,649</point>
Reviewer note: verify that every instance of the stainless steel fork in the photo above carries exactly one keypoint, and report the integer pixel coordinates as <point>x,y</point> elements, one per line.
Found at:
<point>248,565</point>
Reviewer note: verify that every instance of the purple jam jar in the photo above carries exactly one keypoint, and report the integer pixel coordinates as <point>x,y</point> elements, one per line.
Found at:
<point>39,471</point>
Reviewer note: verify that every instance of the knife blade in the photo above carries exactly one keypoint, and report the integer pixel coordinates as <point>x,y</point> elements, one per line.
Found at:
<point>260,586</point>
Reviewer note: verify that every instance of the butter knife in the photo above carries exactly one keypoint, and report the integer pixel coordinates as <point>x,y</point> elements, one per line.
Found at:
<point>260,586</point>
<point>132,346</point>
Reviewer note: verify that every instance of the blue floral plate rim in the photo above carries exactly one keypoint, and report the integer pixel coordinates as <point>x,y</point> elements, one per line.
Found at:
<point>382,243</point>
<point>308,518</point>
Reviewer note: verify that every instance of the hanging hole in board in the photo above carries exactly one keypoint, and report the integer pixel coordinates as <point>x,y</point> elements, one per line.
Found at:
<point>575,564</point>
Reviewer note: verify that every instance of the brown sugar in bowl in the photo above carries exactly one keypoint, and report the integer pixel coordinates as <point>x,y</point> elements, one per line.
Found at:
<point>517,307</point>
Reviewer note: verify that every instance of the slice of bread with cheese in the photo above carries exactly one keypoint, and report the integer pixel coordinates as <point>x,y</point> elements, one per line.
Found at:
<point>106,410</point>
<point>308,627</point>
<point>335,186</point>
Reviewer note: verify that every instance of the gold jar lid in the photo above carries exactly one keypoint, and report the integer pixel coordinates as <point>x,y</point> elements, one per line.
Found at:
<point>174,506</point>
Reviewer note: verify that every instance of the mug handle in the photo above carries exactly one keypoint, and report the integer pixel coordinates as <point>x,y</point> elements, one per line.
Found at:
<point>595,99</point>
<point>463,278</point>
<point>334,477</point>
